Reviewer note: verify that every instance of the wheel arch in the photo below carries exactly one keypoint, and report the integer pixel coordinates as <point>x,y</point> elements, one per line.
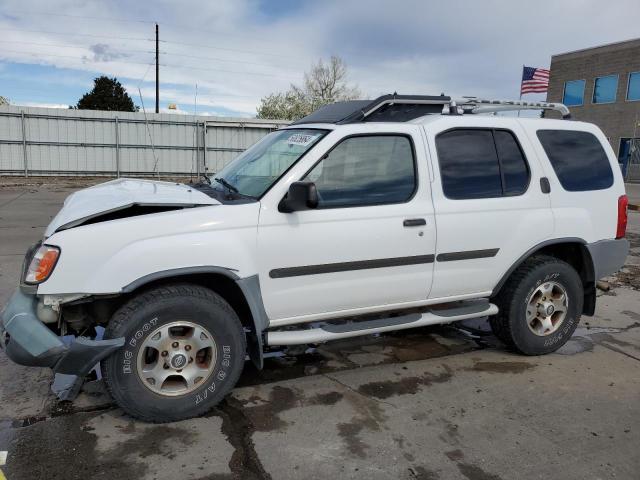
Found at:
<point>572,250</point>
<point>243,294</point>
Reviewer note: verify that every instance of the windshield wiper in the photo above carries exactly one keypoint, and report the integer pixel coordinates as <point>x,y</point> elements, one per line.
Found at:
<point>226,184</point>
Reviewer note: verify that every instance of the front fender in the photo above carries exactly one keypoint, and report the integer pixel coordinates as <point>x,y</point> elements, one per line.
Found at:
<point>106,258</point>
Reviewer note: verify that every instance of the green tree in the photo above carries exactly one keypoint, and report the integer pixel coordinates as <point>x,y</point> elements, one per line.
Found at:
<point>107,94</point>
<point>325,83</point>
<point>4,100</point>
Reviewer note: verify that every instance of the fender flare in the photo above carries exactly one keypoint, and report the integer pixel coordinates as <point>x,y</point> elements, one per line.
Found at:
<point>249,286</point>
<point>178,272</point>
<point>589,280</point>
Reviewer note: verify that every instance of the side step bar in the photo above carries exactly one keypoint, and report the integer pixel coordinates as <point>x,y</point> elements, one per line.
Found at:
<point>336,331</point>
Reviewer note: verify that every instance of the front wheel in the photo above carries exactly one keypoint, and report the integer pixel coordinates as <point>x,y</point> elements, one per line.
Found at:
<point>184,351</point>
<point>540,306</point>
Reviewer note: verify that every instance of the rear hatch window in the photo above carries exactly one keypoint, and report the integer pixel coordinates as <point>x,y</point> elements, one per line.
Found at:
<point>578,159</point>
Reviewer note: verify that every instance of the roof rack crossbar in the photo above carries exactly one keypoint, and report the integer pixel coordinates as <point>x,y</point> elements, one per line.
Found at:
<point>482,105</point>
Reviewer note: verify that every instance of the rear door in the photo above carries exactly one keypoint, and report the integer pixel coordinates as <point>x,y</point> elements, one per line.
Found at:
<point>490,208</point>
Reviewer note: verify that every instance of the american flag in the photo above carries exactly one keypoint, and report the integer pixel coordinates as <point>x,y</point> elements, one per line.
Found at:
<point>534,80</point>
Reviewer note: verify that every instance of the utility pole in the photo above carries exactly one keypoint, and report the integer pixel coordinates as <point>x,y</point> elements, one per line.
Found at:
<point>157,72</point>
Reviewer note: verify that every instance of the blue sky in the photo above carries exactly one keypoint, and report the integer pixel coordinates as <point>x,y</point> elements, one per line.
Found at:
<point>239,51</point>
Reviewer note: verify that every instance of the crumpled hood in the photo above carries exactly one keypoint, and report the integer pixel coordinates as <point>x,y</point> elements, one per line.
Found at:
<point>123,193</point>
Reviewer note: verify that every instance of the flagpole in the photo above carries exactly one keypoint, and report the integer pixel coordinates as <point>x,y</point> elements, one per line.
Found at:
<point>521,73</point>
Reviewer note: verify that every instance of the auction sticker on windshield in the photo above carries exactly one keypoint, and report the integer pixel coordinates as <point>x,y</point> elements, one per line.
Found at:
<point>301,139</point>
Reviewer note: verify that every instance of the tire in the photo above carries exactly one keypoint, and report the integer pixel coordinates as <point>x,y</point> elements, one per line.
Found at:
<point>163,328</point>
<point>522,321</point>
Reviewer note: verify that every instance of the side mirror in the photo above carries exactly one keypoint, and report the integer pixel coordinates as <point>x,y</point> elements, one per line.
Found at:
<point>301,196</point>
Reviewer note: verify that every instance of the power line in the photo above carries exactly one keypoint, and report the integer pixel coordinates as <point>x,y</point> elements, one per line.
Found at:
<point>141,39</point>
<point>68,56</point>
<point>197,57</point>
<point>191,67</point>
<point>128,50</point>
<point>121,19</point>
<point>188,67</point>
<point>76,34</point>
<point>49,14</point>
<point>228,49</point>
<point>69,46</point>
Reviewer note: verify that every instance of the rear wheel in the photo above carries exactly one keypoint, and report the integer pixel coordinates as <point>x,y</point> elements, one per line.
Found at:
<point>540,306</point>
<point>184,350</point>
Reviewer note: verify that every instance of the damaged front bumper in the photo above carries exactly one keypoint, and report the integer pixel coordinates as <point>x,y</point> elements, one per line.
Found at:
<point>28,341</point>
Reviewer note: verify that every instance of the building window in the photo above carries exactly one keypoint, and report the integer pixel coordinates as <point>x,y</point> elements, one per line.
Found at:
<point>604,90</point>
<point>573,92</point>
<point>633,89</point>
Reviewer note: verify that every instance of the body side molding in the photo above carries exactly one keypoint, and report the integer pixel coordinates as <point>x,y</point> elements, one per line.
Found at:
<point>467,255</point>
<point>348,266</point>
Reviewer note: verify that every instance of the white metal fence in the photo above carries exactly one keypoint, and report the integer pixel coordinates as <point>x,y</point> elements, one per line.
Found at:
<point>42,141</point>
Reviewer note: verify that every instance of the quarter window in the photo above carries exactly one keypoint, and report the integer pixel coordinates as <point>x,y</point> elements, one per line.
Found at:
<point>573,93</point>
<point>604,90</point>
<point>365,170</point>
<point>578,159</point>
<point>479,163</point>
<point>633,89</point>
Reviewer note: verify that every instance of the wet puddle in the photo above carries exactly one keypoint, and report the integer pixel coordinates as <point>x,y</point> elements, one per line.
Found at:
<point>394,347</point>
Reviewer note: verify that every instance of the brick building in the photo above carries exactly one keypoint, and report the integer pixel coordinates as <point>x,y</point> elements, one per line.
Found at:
<point>602,85</point>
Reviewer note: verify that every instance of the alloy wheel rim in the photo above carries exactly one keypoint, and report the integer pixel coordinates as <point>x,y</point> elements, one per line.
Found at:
<point>176,358</point>
<point>547,308</point>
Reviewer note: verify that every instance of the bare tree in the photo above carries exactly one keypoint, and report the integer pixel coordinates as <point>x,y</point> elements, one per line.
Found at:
<point>327,83</point>
<point>324,83</point>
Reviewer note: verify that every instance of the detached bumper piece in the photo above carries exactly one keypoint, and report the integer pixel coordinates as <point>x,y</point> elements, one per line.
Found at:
<point>27,341</point>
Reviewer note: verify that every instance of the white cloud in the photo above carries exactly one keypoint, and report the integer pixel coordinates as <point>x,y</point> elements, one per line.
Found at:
<point>243,53</point>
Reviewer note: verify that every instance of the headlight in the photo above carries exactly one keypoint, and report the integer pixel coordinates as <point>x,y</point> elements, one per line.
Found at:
<point>42,264</point>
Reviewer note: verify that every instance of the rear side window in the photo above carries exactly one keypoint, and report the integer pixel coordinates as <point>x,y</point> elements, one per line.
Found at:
<point>578,159</point>
<point>481,163</point>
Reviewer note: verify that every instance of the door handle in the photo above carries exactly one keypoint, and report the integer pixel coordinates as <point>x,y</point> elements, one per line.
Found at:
<point>545,186</point>
<point>414,222</point>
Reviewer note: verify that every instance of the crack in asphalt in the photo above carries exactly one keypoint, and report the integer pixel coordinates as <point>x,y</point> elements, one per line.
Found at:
<point>60,410</point>
<point>13,199</point>
<point>245,462</point>
<point>357,392</point>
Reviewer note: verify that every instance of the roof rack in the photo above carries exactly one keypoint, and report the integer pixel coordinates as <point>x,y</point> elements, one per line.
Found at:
<point>403,108</point>
<point>483,105</point>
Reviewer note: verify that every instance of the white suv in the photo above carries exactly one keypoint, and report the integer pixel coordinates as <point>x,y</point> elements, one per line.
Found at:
<point>365,217</point>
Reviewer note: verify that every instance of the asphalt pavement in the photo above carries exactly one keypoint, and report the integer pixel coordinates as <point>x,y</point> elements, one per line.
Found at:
<point>433,403</point>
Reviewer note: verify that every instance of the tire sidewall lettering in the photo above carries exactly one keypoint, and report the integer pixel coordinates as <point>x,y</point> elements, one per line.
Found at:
<point>135,340</point>
<point>132,345</point>
<point>218,376</point>
<point>571,320</point>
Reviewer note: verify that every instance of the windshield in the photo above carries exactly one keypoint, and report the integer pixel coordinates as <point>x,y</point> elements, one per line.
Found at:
<point>259,167</point>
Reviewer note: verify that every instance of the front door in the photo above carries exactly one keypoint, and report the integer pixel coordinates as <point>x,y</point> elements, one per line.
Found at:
<point>370,242</point>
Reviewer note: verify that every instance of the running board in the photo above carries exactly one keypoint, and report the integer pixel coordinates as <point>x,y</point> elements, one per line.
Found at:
<point>333,331</point>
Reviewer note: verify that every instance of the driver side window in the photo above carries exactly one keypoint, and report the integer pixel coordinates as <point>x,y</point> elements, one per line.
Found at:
<point>366,170</point>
